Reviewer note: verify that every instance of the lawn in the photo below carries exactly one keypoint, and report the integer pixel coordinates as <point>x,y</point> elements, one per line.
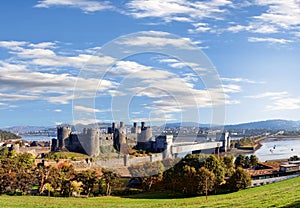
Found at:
<point>281,194</point>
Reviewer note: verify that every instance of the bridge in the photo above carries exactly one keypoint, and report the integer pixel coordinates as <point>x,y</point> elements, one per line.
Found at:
<point>177,148</point>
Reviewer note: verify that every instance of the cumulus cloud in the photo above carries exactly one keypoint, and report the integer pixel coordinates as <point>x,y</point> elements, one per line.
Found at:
<point>177,10</point>
<point>275,17</point>
<point>157,41</point>
<point>26,72</point>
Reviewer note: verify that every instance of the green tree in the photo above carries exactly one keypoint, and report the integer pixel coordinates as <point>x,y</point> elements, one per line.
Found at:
<point>109,179</point>
<point>253,160</point>
<point>240,161</point>
<point>88,178</point>
<point>49,188</point>
<point>76,187</point>
<point>206,181</point>
<point>66,175</point>
<point>240,179</point>
<point>188,180</point>
<point>214,165</point>
<point>149,173</point>
<point>247,163</point>
<point>228,164</point>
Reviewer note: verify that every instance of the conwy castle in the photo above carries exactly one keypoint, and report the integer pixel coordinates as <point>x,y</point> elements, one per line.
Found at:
<point>93,142</point>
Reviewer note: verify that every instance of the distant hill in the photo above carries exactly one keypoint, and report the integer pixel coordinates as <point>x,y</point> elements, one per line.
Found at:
<point>25,129</point>
<point>276,124</point>
<point>187,124</point>
<point>269,124</point>
<point>6,135</point>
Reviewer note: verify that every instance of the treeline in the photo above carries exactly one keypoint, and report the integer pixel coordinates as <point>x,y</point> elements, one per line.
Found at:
<point>196,174</point>
<point>6,135</point>
<point>20,175</point>
<point>193,175</point>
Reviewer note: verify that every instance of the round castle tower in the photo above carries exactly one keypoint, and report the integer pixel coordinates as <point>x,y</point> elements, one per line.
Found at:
<point>90,141</point>
<point>63,133</point>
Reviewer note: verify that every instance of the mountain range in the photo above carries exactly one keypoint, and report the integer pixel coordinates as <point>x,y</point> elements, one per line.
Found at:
<point>277,124</point>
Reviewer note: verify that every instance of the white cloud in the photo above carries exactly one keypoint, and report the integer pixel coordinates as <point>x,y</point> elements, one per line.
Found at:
<point>269,40</point>
<point>271,95</point>
<point>43,45</point>
<point>275,17</point>
<point>157,41</point>
<point>279,101</point>
<point>232,88</point>
<point>178,10</point>
<point>238,28</point>
<point>285,104</point>
<point>284,14</point>
<point>254,27</point>
<point>174,63</point>
<point>242,80</point>
<point>86,109</point>
<point>16,97</point>
<point>13,45</point>
<point>57,110</point>
<point>200,27</point>
<point>85,5</point>
<point>86,121</point>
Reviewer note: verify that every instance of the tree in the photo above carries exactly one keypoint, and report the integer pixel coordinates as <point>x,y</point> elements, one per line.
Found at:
<point>49,188</point>
<point>253,160</point>
<point>16,173</point>
<point>247,162</point>
<point>109,179</point>
<point>214,165</point>
<point>88,178</point>
<point>228,164</point>
<point>66,175</point>
<point>148,173</point>
<point>76,187</point>
<point>240,179</point>
<point>188,178</point>
<point>240,161</point>
<point>206,181</point>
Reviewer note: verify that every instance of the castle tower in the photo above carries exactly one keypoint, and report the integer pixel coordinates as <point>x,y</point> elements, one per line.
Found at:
<point>91,141</point>
<point>135,128</point>
<point>144,138</point>
<point>62,134</point>
<point>54,144</point>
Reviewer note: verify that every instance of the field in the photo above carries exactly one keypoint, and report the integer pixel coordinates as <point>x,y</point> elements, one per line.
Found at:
<point>281,194</point>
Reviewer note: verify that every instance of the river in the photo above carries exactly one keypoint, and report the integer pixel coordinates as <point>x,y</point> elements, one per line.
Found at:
<point>37,138</point>
<point>275,149</point>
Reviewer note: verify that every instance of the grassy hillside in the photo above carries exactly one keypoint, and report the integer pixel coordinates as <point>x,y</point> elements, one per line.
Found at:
<point>281,194</point>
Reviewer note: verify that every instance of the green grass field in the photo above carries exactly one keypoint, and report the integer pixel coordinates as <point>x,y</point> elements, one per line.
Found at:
<point>281,194</point>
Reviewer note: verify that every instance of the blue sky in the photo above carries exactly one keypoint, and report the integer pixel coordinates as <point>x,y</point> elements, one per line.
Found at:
<point>47,46</point>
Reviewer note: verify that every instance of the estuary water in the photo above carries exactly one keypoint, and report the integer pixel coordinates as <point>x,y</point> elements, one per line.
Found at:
<point>277,148</point>
<point>37,138</point>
